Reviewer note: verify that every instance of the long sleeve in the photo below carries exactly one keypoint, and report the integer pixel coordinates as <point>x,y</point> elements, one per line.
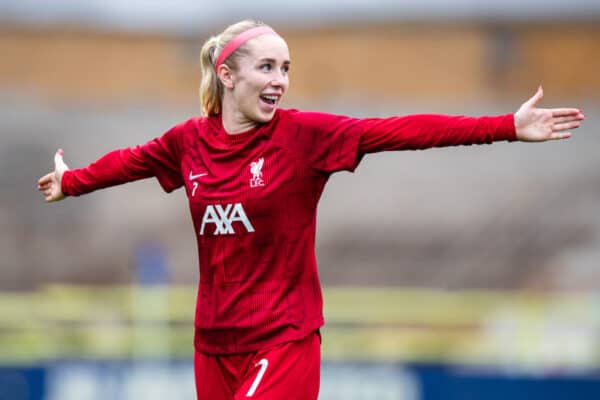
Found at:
<point>422,131</point>
<point>159,157</point>
<point>114,168</point>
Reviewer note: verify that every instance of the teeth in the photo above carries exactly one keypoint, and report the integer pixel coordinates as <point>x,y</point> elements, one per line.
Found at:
<point>271,98</point>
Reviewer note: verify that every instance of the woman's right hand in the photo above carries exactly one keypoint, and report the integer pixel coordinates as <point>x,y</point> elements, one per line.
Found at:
<point>50,184</point>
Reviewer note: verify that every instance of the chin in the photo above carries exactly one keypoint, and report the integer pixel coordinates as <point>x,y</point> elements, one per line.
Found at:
<point>263,117</point>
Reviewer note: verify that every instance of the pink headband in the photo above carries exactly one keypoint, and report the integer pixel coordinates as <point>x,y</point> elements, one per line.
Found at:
<point>240,39</point>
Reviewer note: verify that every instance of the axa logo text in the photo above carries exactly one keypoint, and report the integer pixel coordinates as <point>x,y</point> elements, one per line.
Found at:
<point>223,217</point>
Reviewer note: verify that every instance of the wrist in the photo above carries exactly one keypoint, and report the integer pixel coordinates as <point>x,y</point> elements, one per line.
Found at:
<point>64,179</point>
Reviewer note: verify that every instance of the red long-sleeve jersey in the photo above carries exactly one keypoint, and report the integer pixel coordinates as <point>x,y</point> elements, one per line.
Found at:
<point>253,199</point>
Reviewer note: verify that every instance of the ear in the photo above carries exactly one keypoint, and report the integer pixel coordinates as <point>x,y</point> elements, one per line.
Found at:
<point>225,76</point>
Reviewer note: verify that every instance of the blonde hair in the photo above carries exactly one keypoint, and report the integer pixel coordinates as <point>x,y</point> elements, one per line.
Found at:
<point>211,88</point>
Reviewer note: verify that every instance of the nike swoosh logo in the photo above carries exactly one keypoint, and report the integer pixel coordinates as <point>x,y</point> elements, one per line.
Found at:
<point>192,176</point>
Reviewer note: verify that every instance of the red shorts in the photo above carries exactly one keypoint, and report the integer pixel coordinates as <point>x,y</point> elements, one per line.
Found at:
<point>289,371</point>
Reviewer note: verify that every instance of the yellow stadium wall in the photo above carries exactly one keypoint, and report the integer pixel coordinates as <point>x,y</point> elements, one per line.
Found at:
<point>424,62</point>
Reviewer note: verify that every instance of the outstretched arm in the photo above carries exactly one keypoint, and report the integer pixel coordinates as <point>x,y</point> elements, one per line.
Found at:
<point>414,132</point>
<point>114,168</point>
<point>534,124</point>
<point>159,157</point>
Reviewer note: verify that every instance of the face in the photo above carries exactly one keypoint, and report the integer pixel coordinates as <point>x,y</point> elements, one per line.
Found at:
<point>260,80</point>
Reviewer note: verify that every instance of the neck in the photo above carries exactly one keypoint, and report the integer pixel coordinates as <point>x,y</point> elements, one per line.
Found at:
<point>233,120</point>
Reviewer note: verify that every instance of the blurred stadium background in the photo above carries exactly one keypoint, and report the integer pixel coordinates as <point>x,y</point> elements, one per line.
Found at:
<point>460,273</point>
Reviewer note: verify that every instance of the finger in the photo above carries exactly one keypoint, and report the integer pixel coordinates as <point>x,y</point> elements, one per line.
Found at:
<point>58,159</point>
<point>560,135</point>
<point>44,186</point>
<point>565,126</point>
<point>45,179</point>
<point>532,102</point>
<point>59,162</point>
<point>561,120</point>
<point>564,112</point>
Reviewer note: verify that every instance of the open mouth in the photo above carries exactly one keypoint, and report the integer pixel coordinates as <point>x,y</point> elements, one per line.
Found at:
<point>269,99</point>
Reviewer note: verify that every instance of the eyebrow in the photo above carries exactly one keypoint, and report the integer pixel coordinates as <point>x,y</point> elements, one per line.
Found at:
<point>272,60</point>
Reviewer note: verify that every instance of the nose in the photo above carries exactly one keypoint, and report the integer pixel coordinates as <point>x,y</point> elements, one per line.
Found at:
<point>279,79</point>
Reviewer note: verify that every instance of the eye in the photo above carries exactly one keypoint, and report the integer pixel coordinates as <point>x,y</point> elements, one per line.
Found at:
<point>285,68</point>
<point>265,67</point>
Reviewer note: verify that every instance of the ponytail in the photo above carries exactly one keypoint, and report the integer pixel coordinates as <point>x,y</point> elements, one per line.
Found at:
<point>211,88</point>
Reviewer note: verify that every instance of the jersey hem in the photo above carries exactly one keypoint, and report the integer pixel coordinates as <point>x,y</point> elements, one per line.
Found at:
<point>252,347</point>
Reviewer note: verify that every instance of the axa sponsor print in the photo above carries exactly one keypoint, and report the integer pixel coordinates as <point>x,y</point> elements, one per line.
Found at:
<point>223,217</point>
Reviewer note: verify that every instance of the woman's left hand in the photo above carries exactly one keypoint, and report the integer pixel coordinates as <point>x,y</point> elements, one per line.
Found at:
<point>540,124</point>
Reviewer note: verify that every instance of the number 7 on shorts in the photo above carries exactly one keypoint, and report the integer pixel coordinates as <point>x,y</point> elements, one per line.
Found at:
<point>264,363</point>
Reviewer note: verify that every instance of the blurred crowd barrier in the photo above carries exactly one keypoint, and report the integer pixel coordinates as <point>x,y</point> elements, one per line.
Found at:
<point>520,331</point>
<point>67,342</point>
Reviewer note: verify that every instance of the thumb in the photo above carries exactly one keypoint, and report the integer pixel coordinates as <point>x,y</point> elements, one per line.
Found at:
<point>532,102</point>
<point>59,163</point>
